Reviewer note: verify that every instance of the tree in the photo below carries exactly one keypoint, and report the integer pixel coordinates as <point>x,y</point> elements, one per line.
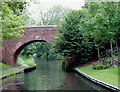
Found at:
<point>37,16</point>
<point>109,22</point>
<point>43,49</point>
<point>54,16</point>
<point>95,25</point>
<point>11,22</point>
<point>119,29</point>
<point>71,41</point>
<point>32,12</point>
<point>17,7</point>
<point>102,23</point>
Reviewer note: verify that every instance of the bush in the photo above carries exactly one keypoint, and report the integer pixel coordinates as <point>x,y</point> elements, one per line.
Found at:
<point>68,64</point>
<point>101,65</point>
<point>70,39</point>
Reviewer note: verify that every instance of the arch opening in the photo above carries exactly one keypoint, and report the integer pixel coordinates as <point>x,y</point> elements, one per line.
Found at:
<point>17,52</point>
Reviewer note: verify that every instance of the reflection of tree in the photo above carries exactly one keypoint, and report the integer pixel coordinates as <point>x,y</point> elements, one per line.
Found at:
<point>47,76</point>
<point>68,80</point>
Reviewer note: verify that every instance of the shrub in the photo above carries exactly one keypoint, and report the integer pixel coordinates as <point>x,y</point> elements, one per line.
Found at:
<point>68,64</point>
<point>70,39</point>
<point>100,65</point>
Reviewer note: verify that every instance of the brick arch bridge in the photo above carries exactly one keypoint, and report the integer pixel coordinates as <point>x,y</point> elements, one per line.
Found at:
<point>11,48</point>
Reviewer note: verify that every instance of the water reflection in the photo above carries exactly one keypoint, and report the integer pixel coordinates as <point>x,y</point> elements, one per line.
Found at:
<point>49,76</point>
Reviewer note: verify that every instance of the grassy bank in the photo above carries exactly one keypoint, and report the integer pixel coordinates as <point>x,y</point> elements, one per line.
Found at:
<point>107,75</point>
<point>5,66</point>
<point>25,60</point>
<point>22,61</point>
<point>12,72</point>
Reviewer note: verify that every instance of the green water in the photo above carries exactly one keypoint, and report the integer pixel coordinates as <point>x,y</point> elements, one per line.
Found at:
<point>49,76</point>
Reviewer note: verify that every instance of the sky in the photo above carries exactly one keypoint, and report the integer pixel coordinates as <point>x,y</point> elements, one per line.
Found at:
<point>74,4</point>
<point>34,10</point>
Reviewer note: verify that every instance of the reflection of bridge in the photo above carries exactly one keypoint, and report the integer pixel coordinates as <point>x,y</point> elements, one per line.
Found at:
<point>11,48</point>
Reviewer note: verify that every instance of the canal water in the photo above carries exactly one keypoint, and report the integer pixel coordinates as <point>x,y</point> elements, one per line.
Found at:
<point>48,76</point>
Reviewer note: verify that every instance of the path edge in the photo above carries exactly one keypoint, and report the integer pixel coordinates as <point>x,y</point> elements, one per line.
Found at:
<point>102,83</point>
<point>28,69</point>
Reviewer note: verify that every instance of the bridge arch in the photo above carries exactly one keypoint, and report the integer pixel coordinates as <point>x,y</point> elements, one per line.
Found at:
<point>10,48</point>
<point>17,52</point>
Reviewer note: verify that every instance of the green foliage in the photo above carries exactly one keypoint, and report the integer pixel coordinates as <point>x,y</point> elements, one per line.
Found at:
<point>52,55</point>
<point>17,7</point>
<point>25,60</point>
<point>94,26</point>
<point>11,22</point>
<point>43,50</point>
<point>104,24</point>
<point>71,40</point>
<point>37,47</point>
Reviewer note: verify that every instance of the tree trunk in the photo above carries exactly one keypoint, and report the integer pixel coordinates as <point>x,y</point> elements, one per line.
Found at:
<point>118,54</point>
<point>98,54</point>
<point>111,51</point>
<point>117,50</point>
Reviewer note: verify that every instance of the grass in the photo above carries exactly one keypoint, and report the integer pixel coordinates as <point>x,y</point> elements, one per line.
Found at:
<point>10,72</point>
<point>5,66</point>
<point>107,75</point>
<point>21,60</point>
<point>27,61</point>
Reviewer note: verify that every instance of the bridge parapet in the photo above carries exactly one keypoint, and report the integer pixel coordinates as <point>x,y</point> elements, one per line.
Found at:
<point>30,35</point>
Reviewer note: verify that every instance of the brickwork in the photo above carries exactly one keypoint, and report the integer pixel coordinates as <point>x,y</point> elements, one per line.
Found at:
<point>11,48</point>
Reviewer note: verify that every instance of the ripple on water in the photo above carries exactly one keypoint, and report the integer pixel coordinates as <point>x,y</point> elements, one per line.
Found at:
<point>48,76</point>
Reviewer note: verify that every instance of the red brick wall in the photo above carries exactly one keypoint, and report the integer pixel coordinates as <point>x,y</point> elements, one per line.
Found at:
<point>9,47</point>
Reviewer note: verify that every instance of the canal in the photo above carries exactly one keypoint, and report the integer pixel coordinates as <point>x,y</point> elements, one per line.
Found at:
<point>49,76</point>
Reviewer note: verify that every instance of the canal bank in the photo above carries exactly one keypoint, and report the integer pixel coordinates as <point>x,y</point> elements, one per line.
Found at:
<point>99,82</point>
<point>71,82</point>
<point>16,70</point>
<point>50,76</point>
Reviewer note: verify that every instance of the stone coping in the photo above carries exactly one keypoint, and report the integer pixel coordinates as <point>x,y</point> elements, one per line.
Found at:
<point>109,86</point>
